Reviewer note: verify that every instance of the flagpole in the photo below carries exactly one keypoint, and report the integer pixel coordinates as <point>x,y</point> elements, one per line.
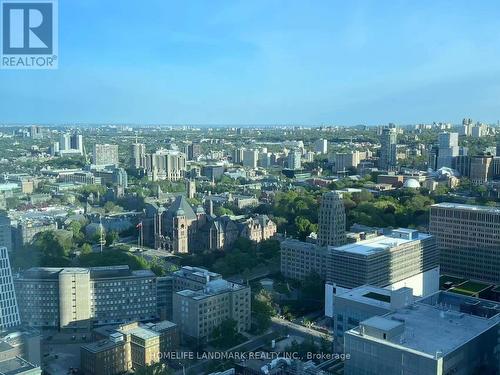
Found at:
<point>142,236</point>
<point>100,231</point>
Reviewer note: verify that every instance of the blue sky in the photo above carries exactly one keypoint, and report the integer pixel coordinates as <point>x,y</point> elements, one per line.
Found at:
<point>265,62</point>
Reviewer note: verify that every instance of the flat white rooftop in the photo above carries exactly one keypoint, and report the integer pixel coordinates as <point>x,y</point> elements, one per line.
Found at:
<point>378,244</point>
<point>430,330</point>
<point>382,323</point>
<point>369,295</point>
<point>212,288</point>
<point>468,207</point>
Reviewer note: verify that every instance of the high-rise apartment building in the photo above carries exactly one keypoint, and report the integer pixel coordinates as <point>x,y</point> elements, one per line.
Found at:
<point>331,220</point>
<point>80,297</point>
<point>36,132</point>
<point>250,158</point>
<point>64,142</point>
<point>166,165</point>
<point>76,142</point>
<point>294,159</point>
<point>265,159</point>
<point>105,154</point>
<point>9,313</point>
<point>446,140</point>
<point>138,156</point>
<point>483,169</point>
<point>70,144</point>
<point>193,150</point>
<point>388,149</point>
<point>448,149</point>
<point>468,238</point>
<point>321,146</point>
<point>237,155</point>
<point>343,161</point>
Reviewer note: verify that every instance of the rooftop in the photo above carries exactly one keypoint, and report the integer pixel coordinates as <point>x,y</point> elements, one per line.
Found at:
<point>297,244</point>
<point>382,323</point>
<point>95,272</point>
<point>101,345</point>
<point>139,331</point>
<point>381,243</point>
<point>187,271</point>
<point>369,295</point>
<point>160,326</point>
<point>468,207</point>
<point>212,288</point>
<point>428,329</point>
<point>15,365</point>
<point>463,303</point>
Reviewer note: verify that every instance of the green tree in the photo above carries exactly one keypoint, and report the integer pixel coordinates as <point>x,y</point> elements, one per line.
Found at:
<point>269,249</point>
<point>262,311</point>
<point>312,288</point>
<point>304,227</point>
<point>220,211</point>
<point>52,246</point>
<point>112,258</point>
<point>86,248</point>
<point>111,238</point>
<point>111,207</point>
<point>76,227</point>
<point>226,335</point>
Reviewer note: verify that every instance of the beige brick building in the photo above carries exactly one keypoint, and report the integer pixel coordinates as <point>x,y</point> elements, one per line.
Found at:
<point>258,228</point>
<point>197,313</point>
<point>128,346</point>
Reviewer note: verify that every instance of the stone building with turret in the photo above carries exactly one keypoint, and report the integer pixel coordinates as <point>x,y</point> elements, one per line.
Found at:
<point>180,228</point>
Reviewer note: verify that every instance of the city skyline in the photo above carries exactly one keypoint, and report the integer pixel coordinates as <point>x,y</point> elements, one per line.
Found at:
<point>264,63</point>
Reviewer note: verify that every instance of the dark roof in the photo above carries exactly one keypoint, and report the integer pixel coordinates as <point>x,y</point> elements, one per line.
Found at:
<point>181,202</point>
<point>221,223</point>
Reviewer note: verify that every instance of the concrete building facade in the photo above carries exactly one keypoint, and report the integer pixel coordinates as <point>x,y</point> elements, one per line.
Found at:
<point>392,259</point>
<point>300,259</point>
<point>468,238</point>
<point>81,297</point>
<point>105,154</point>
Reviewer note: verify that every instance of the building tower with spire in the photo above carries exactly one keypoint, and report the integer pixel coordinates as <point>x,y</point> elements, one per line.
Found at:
<point>180,235</point>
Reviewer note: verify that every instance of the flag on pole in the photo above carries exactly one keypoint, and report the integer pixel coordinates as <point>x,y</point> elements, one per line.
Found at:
<point>139,225</point>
